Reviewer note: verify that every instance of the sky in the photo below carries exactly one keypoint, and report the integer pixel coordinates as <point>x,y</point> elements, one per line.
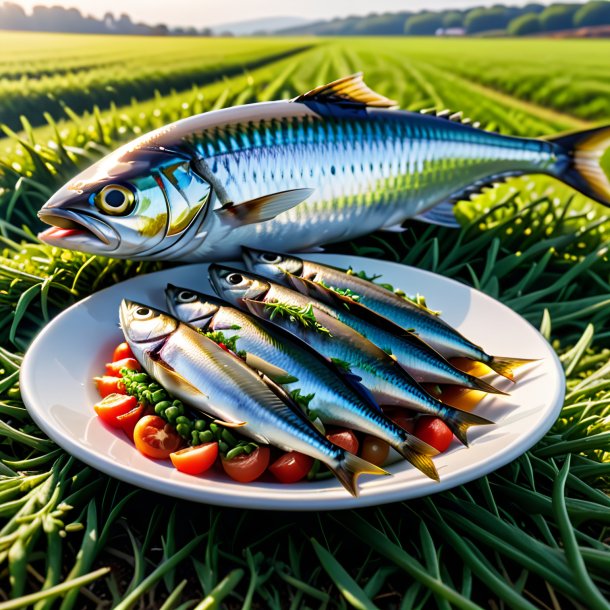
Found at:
<point>201,13</point>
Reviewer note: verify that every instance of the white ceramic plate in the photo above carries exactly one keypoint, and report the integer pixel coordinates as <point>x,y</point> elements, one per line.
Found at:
<point>56,384</point>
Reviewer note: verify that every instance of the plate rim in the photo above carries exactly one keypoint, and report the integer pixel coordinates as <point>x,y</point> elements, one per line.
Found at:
<point>297,503</point>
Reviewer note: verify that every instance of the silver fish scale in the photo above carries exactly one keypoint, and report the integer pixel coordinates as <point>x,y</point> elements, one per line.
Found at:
<point>370,172</point>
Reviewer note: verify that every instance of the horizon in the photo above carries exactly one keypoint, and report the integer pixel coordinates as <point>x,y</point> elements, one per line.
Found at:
<point>214,15</point>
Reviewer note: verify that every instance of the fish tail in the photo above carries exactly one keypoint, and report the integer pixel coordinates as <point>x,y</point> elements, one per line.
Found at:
<point>483,386</point>
<point>459,422</point>
<point>418,453</point>
<point>588,169</point>
<point>506,366</point>
<point>350,468</point>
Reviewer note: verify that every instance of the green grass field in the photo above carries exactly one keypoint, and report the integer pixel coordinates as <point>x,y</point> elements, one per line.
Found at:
<point>532,535</point>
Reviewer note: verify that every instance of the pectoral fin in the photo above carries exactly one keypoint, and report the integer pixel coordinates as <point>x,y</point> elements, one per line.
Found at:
<point>167,376</point>
<point>274,373</point>
<point>263,208</point>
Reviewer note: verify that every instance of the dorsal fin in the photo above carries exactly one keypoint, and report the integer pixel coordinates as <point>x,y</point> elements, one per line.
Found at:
<point>350,89</point>
<point>456,117</point>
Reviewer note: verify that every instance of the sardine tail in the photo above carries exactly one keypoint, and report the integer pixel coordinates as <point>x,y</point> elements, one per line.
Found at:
<point>351,467</point>
<point>506,366</point>
<point>418,455</point>
<point>483,386</point>
<point>589,167</point>
<point>460,421</point>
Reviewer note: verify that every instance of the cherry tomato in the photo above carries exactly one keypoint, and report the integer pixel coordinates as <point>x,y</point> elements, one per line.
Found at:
<point>114,368</point>
<point>122,351</point>
<point>129,420</point>
<point>246,468</point>
<point>113,405</point>
<point>344,438</point>
<point>406,422</point>
<point>434,431</point>
<point>291,467</point>
<point>195,460</point>
<point>374,450</point>
<point>461,398</point>
<point>155,438</point>
<point>107,384</point>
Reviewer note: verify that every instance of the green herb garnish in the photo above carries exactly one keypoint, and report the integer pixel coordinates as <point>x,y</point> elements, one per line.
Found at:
<point>303,315</point>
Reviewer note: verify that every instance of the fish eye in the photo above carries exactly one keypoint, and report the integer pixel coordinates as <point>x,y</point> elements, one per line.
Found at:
<point>272,259</point>
<point>186,297</point>
<point>235,278</point>
<point>143,313</point>
<point>115,199</point>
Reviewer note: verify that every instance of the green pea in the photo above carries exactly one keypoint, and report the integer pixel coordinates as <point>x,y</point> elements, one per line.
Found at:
<point>206,437</point>
<point>171,414</point>
<point>239,450</point>
<point>158,395</point>
<point>200,425</point>
<point>223,446</point>
<point>162,406</point>
<point>184,430</point>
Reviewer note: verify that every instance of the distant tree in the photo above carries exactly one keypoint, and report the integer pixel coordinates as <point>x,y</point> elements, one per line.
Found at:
<point>13,17</point>
<point>533,7</point>
<point>485,19</point>
<point>206,32</point>
<point>524,25</point>
<point>388,24</point>
<point>453,19</point>
<point>558,17</point>
<point>593,13</point>
<point>424,24</point>
<point>160,30</point>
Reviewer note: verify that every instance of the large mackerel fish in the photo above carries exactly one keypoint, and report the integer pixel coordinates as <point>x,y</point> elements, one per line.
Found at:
<point>334,163</point>
<point>206,377</point>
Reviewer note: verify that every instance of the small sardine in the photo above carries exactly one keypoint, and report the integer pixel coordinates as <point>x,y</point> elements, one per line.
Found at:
<point>429,327</point>
<point>390,384</point>
<point>298,367</point>
<point>421,361</point>
<point>208,378</point>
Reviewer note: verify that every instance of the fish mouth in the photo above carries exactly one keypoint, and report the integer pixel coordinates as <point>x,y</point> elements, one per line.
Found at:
<point>77,231</point>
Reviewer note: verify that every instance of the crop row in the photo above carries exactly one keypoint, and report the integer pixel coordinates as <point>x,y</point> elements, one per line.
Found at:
<point>118,77</point>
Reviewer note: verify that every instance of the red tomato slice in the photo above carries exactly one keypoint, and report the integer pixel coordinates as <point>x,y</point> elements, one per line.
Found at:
<point>107,384</point>
<point>155,438</point>
<point>344,438</point>
<point>114,368</point>
<point>195,460</point>
<point>113,405</point>
<point>122,351</point>
<point>291,467</point>
<point>374,450</point>
<point>129,420</point>
<point>434,431</point>
<point>247,468</point>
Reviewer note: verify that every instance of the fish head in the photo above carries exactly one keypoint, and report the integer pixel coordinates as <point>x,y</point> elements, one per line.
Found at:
<point>129,204</point>
<point>191,307</point>
<point>235,285</point>
<point>144,327</point>
<point>273,265</point>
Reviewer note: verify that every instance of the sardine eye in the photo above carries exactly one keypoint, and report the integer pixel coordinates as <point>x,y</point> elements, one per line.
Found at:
<point>272,259</point>
<point>143,313</point>
<point>115,199</point>
<point>186,297</point>
<point>235,278</point>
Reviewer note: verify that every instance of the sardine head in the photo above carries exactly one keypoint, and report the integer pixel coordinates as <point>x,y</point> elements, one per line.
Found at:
<point>271,264</point>
<point>234,285</point>
<point>130,204</point>
<point>191,307</point>
<point>145,328</point>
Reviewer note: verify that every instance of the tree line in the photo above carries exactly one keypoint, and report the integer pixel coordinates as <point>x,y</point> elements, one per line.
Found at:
<point>61,19</point>
<point>529,19</point>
